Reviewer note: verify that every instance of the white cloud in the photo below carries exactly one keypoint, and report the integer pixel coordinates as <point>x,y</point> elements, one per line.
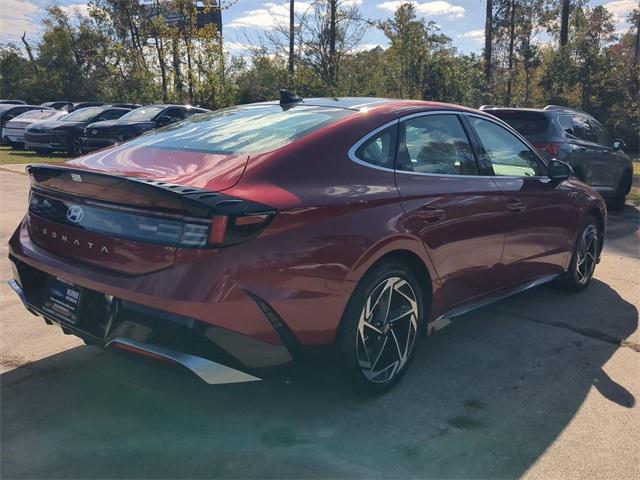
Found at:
<point>365,47</point>
<point>476,35</point>
<point>620,9</point>
<point>18,16</point>
<point>267,18</point>
<point>236,46</point>
<point>76,9</point>
<point>430,9</point>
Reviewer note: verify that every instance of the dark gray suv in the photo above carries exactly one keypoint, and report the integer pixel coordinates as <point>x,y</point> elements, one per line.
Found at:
<point>579,139</point>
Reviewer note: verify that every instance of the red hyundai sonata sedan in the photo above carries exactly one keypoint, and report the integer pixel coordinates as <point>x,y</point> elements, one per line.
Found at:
<point>234,241</point>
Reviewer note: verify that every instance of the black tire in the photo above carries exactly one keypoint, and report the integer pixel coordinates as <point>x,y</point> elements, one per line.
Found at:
<point>75,149</point>
<point>579,276</point>
<point>617,202</point>
<point>394,339</point>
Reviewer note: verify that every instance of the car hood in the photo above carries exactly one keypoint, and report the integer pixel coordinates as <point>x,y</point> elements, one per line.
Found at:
<point>120,123</point>
<point>211,171</point>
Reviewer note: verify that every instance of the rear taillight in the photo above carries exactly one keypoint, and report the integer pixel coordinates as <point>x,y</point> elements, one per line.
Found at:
<point>548,147</point>
<point>229,230</point>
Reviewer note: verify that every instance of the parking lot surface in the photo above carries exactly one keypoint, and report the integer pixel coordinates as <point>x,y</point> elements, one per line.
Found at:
<point>541,385</point>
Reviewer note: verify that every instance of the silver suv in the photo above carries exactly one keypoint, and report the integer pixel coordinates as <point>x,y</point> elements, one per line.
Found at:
<point>580,140</point>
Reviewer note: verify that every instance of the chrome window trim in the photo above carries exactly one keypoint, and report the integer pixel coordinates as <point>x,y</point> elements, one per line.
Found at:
<point>497,121</point>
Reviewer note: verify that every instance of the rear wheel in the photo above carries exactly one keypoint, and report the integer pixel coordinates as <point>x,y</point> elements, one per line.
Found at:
<point>378,332</point>
<point>76,148</point>
<point>585,257</point>
<point>617,202</point>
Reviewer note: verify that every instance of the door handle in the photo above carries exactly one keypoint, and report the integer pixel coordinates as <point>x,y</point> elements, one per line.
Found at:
<point>516,205</point>
<point>430,214</point>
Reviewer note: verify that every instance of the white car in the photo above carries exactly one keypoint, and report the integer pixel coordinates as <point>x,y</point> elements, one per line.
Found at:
<point>13,131</point>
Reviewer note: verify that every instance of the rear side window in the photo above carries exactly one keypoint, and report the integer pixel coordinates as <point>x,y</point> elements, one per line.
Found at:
<point>509,156</point>
<point>600,133</point>
<point>249,129</point>
<point>111,114</point>
<point>582,129</point>
<point>436,144</point>
<point>525,123</point>
<point>380,149</point>
<point>566,124</point>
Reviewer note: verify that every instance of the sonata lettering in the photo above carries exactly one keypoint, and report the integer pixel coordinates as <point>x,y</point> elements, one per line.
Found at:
<point>64,238</point>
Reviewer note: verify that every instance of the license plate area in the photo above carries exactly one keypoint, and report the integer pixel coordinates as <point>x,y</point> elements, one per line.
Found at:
<point>62,300</point>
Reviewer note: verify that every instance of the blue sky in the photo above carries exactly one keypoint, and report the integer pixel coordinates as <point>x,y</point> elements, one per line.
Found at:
<point>462,20</point>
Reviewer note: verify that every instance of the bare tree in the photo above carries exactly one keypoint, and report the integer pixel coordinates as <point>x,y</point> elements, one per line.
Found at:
<point>488,33</point>
<point>292,29</point>
<point>512,37</point>
<point>564,22</point>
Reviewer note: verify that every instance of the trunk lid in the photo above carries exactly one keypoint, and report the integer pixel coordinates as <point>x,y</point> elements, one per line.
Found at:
<point>127,212</point>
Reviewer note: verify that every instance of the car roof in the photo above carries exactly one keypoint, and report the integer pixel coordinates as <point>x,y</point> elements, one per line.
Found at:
<point>381,105</point>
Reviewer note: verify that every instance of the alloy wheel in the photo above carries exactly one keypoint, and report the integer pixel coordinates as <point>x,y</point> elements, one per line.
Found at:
<point>587,254</point>
<point>387,330</point>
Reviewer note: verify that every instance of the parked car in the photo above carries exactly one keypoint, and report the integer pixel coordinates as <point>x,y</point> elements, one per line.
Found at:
<point>240,239</point>
<point>64,133</point>
<point>580,140</point>
<point>10,111</point>
<point>79,105</point>
<point>106,133</point>
<point>59,105</point>
<point>131,106</point>
<point>13,132</point>
<point>12,102</point>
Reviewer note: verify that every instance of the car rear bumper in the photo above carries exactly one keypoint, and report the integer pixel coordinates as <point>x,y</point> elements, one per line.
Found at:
<point>215,354</point>
<point>13,135</point>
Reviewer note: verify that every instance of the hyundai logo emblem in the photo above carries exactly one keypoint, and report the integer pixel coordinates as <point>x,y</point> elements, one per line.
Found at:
<point>75,214</point>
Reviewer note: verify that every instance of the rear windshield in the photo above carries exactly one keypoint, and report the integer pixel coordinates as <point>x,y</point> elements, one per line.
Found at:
<point>143,113</point>
<point>83,114</point>
<point>525,123</point>
<point>35,114</point>
<point>249,129</point>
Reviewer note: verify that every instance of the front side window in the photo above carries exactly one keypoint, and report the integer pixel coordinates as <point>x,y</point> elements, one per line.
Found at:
<point>380,149</point>
<point>436,144</point>
<point>508,155</point>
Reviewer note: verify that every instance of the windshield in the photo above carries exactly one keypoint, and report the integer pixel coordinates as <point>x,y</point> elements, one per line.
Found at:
<point>250,129</point>
<point>82,115</point>
<point>144,113</point>
<point>524,122</point>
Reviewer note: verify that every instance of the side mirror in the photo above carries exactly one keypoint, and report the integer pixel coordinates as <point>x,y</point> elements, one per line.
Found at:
<point>559,171</point>
<point>164,120</point>
<point>618,145</point>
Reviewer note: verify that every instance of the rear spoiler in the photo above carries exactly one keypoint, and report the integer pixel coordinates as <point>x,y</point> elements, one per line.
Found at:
<point>162,197</point>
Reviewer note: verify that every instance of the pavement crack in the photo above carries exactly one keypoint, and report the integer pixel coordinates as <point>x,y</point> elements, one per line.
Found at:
<point>12,171</point>
<point>586,332</point>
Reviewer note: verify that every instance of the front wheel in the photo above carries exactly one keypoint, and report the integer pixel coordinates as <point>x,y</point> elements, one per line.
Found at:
<point>378,332</point>
<point>584,258</point>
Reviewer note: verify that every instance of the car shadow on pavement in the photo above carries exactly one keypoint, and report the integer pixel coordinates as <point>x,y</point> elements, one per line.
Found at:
<point>484,399</point>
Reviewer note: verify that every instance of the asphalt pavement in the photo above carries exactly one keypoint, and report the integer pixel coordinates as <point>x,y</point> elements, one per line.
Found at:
<point>541,385</point>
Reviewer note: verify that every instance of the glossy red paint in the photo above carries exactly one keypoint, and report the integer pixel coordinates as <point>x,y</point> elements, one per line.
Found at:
<point>336,218</point>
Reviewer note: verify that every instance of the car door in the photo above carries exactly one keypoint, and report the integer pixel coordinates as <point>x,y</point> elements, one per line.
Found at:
<point>608,165</point>
<point>457,212</point>
<point>541,213</point>
<point>586,154</point>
